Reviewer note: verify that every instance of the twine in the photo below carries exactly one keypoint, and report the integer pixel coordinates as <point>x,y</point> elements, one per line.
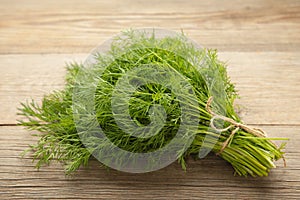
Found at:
<point>254,131</point>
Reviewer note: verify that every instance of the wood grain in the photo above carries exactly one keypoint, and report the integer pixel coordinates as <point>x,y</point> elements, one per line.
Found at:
<point>267,83</point>
<point>77,26</point>
<point>259,40</point>
<point>209,178</point>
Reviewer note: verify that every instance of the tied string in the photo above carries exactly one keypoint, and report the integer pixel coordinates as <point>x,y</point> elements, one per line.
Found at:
<point>233,124</point>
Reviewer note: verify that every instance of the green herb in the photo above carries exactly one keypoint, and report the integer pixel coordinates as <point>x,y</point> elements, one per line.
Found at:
<point>247,150</point>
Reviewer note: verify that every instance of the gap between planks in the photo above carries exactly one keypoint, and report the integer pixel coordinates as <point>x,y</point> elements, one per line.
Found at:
<point>69,27</point>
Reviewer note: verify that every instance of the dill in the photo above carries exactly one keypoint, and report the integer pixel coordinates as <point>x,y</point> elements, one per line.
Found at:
<point>59,138</point>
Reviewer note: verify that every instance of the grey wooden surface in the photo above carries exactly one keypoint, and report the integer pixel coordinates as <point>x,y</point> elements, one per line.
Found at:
<point>259,40</point>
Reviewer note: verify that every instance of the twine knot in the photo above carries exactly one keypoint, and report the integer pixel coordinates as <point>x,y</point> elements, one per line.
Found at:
<point>233,124</point>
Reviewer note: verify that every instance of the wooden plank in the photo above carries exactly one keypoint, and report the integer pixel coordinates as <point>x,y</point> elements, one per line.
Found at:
<point>267,83</point>
<point>209,178</point>
<point>29,76</point>
<point>77,26</point>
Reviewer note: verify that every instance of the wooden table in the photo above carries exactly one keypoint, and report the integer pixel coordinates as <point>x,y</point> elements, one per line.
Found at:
<point>260,40</point>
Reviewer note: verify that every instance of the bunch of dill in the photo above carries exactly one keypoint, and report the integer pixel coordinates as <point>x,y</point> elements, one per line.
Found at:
<point>248,151</point>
